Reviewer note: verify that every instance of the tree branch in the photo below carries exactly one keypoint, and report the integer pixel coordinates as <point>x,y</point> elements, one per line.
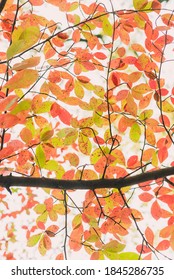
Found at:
<point>2,5</point>
<point>9,181</point>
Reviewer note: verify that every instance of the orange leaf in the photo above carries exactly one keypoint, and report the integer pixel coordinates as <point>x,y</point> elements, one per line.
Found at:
<point>163,245</point>
<point>145,197</point>
<point>27,63</point>
<point>83,79</point>
<point>156,211</point>
<point>36,2</point>
<point>162,154</point>
<point>59,257</point>
<point>22,79</point>
<point>149,235</point>
<point>143,249</point>
<point>47,242</point>
<point>100,55</point>
<point>8,120</point>
<point>169,199</point>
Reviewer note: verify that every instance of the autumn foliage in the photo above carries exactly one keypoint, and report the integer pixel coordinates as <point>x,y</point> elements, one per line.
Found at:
<point>86,94</point>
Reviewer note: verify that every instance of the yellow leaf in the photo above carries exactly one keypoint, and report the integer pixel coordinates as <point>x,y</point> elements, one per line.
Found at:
<point>22,39</point>
<point>167,107</point>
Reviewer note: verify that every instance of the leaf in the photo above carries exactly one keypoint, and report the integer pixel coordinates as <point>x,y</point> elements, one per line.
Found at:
<point>167,107</point>
<point>83,79</point>
<point>107,27</point>
<point>146,197</point>
<point>135,132</point>
<point>163,245</point>
<point>132,161</point>
<point>63,114</point>
<point>40,156</point>
<point>22,79</point>
<point>8,103</point>
<point>168,199</point>
<point>23,39</point>
<point>139,4</point>
<point>8,120</point>
<point>47,242</point>
<point>129,256</point>
<point>100,55</point>
<point>162,154</point>
<point>113,247</point>
<point>72,158</point>
<point>115,79</point>
<point>156,210</point>
<point>85,145</point>
<point>27,63</point>
<point>41,247</point>
<point>45,135</point>
<point>141,89</point>
<point>137,48</point>
<point>33,240</point>
<point>78,89</point>
<point>149,235</point>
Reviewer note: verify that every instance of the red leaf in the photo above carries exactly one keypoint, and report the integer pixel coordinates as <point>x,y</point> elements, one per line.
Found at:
<point>163,245</point>
<point>99,140</point>
<point>132,161</point>
<point>115,79</point>
<point>63,114</point>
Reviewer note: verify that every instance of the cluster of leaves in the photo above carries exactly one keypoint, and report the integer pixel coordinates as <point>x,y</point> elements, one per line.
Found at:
<point>87,101</point>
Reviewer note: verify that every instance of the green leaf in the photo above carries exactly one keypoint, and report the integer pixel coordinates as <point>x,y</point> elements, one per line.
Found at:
<point>107,27</point>
<point>139,4</point>
<point>112,248</point>
<point>39,208</point>
<point>23,39</point>
<point>22,106</point>
<point>146,114</point>
<point>40,156</point>
<point>33,240</point>
<point>135,132</point>
<point>51,165</point>
<point>129,256</point>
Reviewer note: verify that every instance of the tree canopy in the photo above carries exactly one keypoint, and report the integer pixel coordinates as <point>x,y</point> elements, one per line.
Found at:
<point>86,129</point>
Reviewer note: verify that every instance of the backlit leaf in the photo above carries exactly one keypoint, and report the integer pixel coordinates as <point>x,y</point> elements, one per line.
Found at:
<point>27,63</point>
<point>40,156</point>
<point>22,79</point>
<point>33,240</point>
<point>135,132</point>
<point>156,210</point>
<point>8,120</point>
<point>85,145</point>
<point>128,256</point>
<point>22,39</point>
<point>107,27</point>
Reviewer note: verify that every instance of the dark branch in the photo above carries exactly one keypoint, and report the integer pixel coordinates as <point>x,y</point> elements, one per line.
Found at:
<point>2,5</point>
<point>9,181</point>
